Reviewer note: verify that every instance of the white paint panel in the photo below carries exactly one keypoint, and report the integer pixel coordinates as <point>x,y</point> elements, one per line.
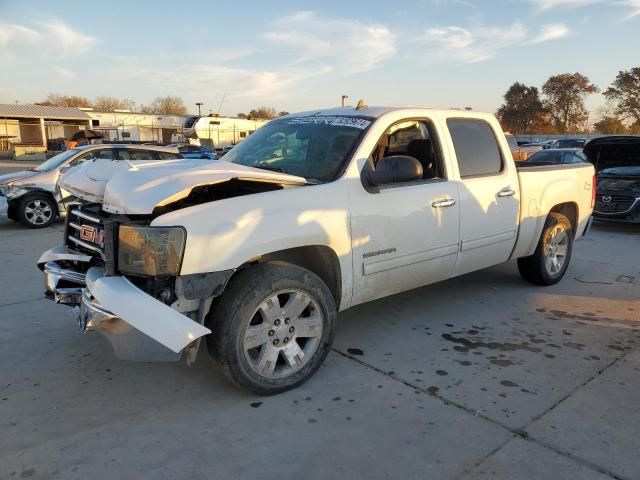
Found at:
<point>160,322</point>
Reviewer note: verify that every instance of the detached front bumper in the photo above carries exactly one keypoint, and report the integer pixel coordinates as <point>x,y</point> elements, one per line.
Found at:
<point>137,326</point>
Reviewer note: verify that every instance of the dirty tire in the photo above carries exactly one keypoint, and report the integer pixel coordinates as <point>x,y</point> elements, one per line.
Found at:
<point>36,211</point>
<point>256,300</point>
<point>539,268</point>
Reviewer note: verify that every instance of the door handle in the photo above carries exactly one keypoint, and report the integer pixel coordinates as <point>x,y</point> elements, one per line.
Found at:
<point>507,192</point>
<point>445,202</point>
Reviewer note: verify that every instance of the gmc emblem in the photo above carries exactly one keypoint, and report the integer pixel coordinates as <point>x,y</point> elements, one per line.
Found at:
<point>91,234</point>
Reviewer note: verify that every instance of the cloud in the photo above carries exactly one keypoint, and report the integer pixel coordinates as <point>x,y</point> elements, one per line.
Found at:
<point>345,45</point>
<point>551,31</point>
<point>64,73</point>
<point>51,38</point>
<point>633,5</point>
<point>549,4</point>
<point>240,83</point>
<point>461,45</point>
<point>455,44</point>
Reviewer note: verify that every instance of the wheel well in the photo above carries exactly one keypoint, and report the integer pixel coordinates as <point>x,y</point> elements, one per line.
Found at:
<point>569,210</point>
<point>318,259</point>
<point>36,193</point>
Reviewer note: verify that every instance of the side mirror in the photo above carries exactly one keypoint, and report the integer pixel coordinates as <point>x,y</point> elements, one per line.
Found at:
<point>65,169</point>
<point>395,169</point>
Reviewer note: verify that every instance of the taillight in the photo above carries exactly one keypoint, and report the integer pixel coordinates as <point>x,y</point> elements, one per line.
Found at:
<point>593,191</point>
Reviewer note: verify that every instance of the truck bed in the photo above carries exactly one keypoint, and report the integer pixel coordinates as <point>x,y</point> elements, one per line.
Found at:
<point>543,187</point>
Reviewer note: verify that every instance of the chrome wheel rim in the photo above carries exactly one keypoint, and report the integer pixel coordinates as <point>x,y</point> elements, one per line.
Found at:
<point>556,249</point>
<point>284,334</point>
<point>38,212</point>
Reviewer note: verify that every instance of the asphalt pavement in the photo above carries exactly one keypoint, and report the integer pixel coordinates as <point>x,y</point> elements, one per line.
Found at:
<point>480,377</point>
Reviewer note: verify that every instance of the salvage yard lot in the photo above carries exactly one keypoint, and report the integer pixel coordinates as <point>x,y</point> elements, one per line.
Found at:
<point>484,376</point>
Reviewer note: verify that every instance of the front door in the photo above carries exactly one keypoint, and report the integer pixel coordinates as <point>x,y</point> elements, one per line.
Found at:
<point>405,235</point>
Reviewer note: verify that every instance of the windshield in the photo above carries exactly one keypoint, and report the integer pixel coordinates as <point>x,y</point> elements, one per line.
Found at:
<point>314,147</point>
<point>55,162</point>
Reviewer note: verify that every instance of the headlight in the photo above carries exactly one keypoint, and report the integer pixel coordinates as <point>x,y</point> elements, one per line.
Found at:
<point>11,191</point>
<point>150,251</point>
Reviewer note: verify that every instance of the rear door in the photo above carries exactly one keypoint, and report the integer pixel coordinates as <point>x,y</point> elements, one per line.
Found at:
<point>489,194</point>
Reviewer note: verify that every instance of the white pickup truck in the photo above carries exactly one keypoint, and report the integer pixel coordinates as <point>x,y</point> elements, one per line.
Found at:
<point>312,214</point>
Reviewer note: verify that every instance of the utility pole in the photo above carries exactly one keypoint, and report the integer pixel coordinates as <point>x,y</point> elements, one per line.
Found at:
<point>344,97</point>
<point>199,104</point>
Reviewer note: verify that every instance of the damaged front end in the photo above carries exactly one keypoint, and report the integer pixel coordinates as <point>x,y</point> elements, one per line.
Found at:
<point>140,303</point>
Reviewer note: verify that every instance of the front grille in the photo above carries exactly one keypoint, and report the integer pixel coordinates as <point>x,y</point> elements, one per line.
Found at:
<point>613,203</point>
<point>88,230</point>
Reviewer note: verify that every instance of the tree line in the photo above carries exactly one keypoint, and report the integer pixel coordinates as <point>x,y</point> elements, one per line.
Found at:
<point>167,105</point>
<point>559,106</point>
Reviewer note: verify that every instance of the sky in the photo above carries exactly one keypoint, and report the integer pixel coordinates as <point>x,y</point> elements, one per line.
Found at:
<point>301,55</point>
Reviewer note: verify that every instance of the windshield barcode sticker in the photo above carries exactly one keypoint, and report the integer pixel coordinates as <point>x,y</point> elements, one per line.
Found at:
<point>354,122</point>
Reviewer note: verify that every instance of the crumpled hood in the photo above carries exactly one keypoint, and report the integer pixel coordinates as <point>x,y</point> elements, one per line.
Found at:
<point>136,189</point>
<point>16,176</point>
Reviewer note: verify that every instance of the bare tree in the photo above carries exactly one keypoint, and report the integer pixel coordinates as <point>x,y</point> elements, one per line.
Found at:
<point>109,104</point>
<point>56,100</point>
<point>266,113</point>
<point>169,105</point>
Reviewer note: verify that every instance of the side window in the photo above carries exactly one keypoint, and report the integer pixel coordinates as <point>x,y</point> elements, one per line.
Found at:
<point>104,153</point>
<point>476,147</point>
<point>135,154</point>
<point>168,155</point>
<point>513,144</point>
<point>413,138</point>
<point>193,148</point>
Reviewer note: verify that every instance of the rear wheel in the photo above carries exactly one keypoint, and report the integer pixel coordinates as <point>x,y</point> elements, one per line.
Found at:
<point>272,328</point>
<point>550,261</point>
<point>36,211</point>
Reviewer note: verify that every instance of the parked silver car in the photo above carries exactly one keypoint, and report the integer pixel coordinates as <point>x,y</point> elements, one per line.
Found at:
<point>34,198</point>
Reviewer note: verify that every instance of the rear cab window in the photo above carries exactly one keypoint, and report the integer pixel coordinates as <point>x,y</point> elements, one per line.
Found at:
<point>476,147</point>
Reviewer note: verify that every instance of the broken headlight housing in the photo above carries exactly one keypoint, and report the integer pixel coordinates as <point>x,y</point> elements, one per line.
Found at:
<point>150,251</point>
<point>9,191</point>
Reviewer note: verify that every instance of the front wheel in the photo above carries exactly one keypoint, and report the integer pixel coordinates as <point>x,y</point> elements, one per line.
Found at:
<point>272,328</point>
<point>550,261</point>
<point>36,211</point>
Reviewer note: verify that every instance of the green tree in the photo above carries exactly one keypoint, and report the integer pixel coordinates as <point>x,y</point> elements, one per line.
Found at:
<point>564,100</point>
<point>169,105</point>
<point>624,92</point>
<point>522,110</point>
<point>610,125</point>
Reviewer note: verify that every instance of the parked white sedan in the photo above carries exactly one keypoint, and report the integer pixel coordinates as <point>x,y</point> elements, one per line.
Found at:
<point>33,198</point>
